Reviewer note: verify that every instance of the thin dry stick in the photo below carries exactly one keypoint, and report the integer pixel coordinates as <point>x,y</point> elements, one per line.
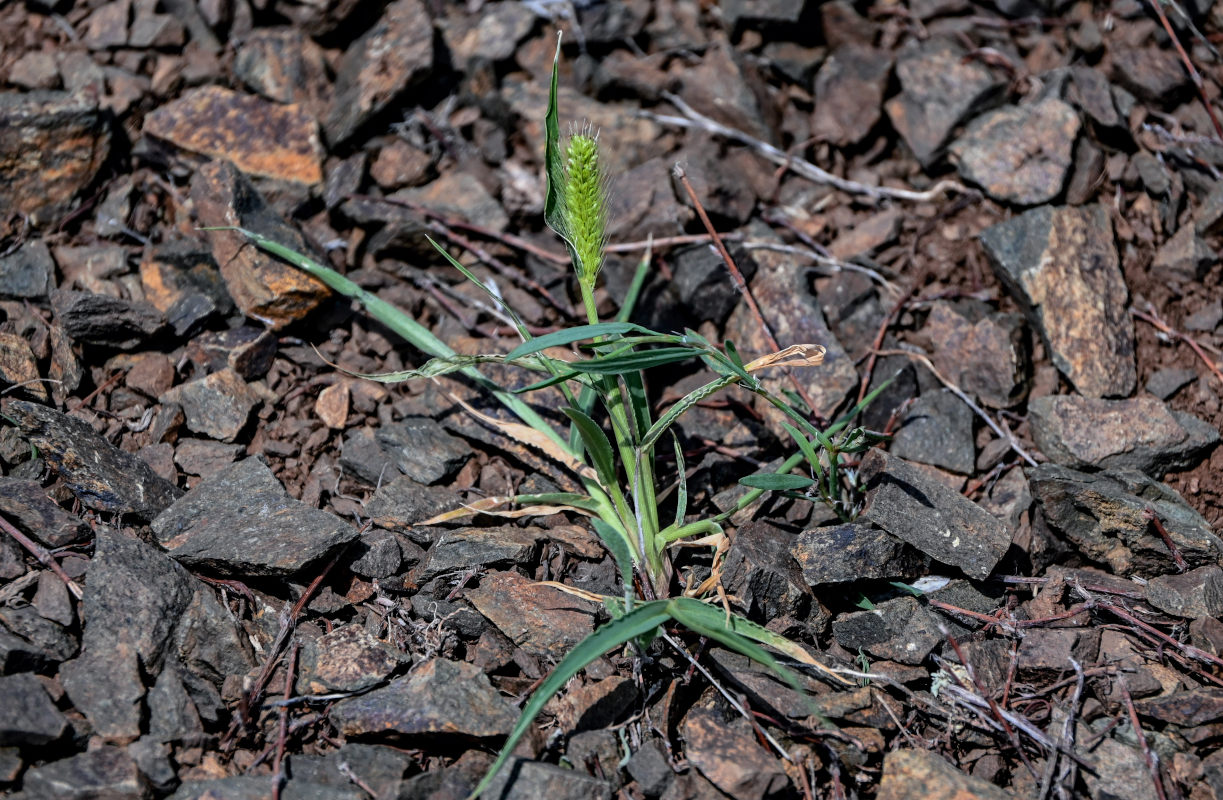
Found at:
<point>1171,332</point>
<point>694,119</point>
<point>1147,756</point>
<point>278,777</point>
<point>740,284</point>
<point>1193,73</point>
<point>1002,431</point>
<point>44,558</point>
<point>1149,514</point>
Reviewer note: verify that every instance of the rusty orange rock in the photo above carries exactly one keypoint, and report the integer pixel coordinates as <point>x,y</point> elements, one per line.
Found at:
<point>259,137</point>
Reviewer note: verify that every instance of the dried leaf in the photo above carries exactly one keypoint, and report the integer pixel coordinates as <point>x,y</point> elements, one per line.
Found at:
<point>533,438</point>
<point>796,355</point>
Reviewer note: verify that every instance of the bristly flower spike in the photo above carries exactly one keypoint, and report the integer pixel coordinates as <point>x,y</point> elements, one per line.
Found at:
<point>585,203</point>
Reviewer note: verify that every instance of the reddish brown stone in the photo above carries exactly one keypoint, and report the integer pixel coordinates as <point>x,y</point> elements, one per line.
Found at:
<point>259,137</point>
<point>542,620</point>
<point>264,287</point>
<point>730,757</point>
<point>17,366</point>
<point>922,775</point>
<point>51,146</point>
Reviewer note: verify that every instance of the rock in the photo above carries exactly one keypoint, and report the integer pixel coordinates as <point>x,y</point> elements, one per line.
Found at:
<point>717,176</point>
<point>26,273</point>
<point>102,476</point>
<point>593,707</point>
<point>247,351</point>
<point>793,311</point>
<point>107,26</point>
<point>726,752</point>
<point>939,90</point>
<point>1186,708</point>
<point>422,450</point>
<point>255,787</point>
<point>925,775</point>
<point>461,195</point>
<point>1140,434</point>
<point>854,551</point>
<point>285,65</point>
<point>544,621</point>
<point>1193,594</point>
<point>521,779</point>
<point>172,714</point>
<point>209,642</point>
<point>27,715</point>
<point>218,405</point>
<point>181,280</point>
<point>987,355</point>
<point>718,87</point>
<point>900,630</point>
<point>379,554</point>
<point>439,698</point>
<point>1154,176</point>
<point>468,548</point>
<point>52,599</point>
<point>400,503</point>
<point>762,573</point>
<point>1118,770</point>
<point>29,641</point>
<point>380,768</point>
<point>151,374</point>
<point>262,286</point>
<point>868,236</point>
<point>400,164</point>
<point>1166,382</point>
<point>242,522</point>
<point>644,203</point>
<point>108,689</point>
<point>1090,91</point>
<point>35,69</point>
<point>205,458</point>
<point>1208,219</point>
<point>937,430</point>
<point>1054,648</point>
<point>1102,514</point>
<point>775,12</point>
<point>1185,257</point>
<point>107,772</point>
<point>1062,266</point>
<point>392,57</point>
<point>18,369</point>
<point>1206,318</point>
<point>92,268</point>
<point>849,92</point>
<point>347,660</point>
<point>156,31</point>
<point>492,35</point>
<point>1019,154</point>
<point>650,768</point>
<point>703,283</point>
<point>939,522</point>
<point>1153,75</point>
<point>52,145</point>
<point>105,321</point>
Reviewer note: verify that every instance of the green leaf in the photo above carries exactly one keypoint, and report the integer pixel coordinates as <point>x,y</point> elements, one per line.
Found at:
<point>683,404</point>
<point>681,479</point>
<point>804,444</point>
<point>633,361</point>
<point>642,620</point>
<point>554,163</point>
<point>597,445</point>
<point>617,544</point>
<point>575,334</point>
<point>471,276</point>
<point>773,482</point>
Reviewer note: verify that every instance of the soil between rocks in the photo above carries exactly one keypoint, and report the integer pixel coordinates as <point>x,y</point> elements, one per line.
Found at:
<point>1021,209</point>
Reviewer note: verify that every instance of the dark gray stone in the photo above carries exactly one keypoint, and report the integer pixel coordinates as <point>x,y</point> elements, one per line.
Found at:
<point>1154,176</point>
<point>27,715</point>
<point>779,12</point>
<point>926,514</point>
<point>985,354</point>
<point>209,642</point>
<point>471,548</point>
<point>378,554</point>
<point>1061,265</point>
<point>1166,382</point>
<point>218,405</point>
<point>108,689</point>
<point>854,551</point>
<point>439,698</point>
<point>380,768</point>
<point>347,660</point>
<point>849,92</point>
<point>521,779</point>
<point>1090,91</point>
<point>27,507</point>
<point>1153,74</point>
<point>542,620</point>
<point>1102,514</point>
<point>363,456</point>
<point>703,283</point>
<point>152,758</point>
<point>401,503</point>
<point>1208,219</point>
<point>900,630</point>
<point>242,522</point>
<point>257,787</point>
<point>649,767</point>
<point>104,320</point>
<point>107,772</point>
<point>761,571</point>
<point>1193,594</point>
<point>173,716</point>
<point>26,273</point>
<point>937,430</point>
<point>102,476</point>
<point>1140,433</point>
<point>422,449</point>
<point>204,457</point>
<point>1185,256</point>
<point>1019,154</point>
<point>939,90</point>
<point>30,641</point>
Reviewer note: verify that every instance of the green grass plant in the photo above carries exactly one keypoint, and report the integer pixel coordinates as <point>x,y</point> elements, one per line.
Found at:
<point>611,441</point>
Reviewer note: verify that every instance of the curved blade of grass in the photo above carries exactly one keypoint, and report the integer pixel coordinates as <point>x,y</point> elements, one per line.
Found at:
<point>633,361</point>
<point>436,367</point>
<point>772,482</point>
<point>597,445</point>
<point>641,620</point>
<point>412,331</point>
<point>804,444</point>
<point>496,298</point>
<point>683,404</point>
<point>681,494</point>
<point>617,543</point>
<point>575,334</point>
<point>554,164</point>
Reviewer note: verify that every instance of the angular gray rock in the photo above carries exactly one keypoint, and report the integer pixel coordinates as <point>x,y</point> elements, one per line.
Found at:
<point>1193,594</point>
<point>527,780</point>
<point>939,522</point>
<point>102,476</point>
<point>26,505</point>
<point>937,430</point>
<point>762,573</point>
<point>107,772</point>
<point>900,630</point>
<point>439,697</point>
<point>1102,514</point>
<point>1061,265</point>
<point>1019,154</point>
<point>854,551</point>
<point>348,659</point>
<point>423,450</point>
<point>217,405</point>
<point>104,320</point>
<point>1140,433</point>
<point>27,715</point>
<point>26,273</point>
<point>241,521</point>
<point>985,354</point>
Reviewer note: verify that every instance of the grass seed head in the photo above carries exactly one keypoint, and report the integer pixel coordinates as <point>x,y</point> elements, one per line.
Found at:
<point>585,200</point>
